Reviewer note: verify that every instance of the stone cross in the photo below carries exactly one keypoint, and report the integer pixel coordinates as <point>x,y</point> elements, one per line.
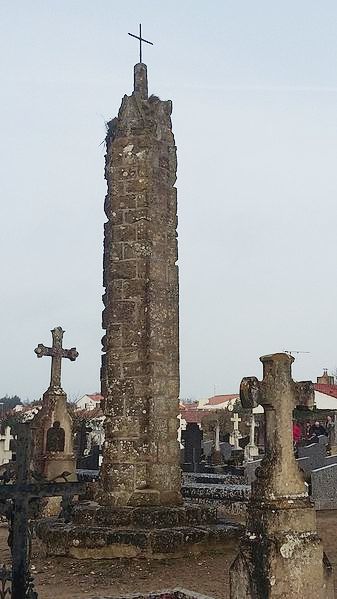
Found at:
<point>279,475</point>
<point>251,450</point>
<point>252,430</point>
<point>235,419</point>
<point>56,352</point>
<point>217,436</point>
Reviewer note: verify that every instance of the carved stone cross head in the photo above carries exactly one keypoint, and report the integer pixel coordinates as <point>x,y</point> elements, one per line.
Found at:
<point>56,352</point>
<point>279,395</point>
<point>235,419</point>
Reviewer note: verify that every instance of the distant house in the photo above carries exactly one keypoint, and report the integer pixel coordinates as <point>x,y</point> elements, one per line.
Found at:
<point>221,402</point>
<point>325,392</point>
<point>89,402</point>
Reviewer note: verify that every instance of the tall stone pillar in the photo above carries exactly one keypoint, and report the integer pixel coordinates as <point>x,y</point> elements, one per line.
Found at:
<point>138,509</point>
<point>140,364</point>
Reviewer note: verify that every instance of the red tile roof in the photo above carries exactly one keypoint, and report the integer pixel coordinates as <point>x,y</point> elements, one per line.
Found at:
<point>95,397</point>
<point>219,399</point>
<point>194,415</point>
<point>327,389</point>
<point>89,414</point>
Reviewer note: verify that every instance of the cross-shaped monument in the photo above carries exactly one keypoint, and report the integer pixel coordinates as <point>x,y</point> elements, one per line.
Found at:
<point>53,439</point>
<point>236,432</point>
<point>281,553</point>
<point>56,352</point>
<point>141,39</point>
<point>251,450</point>
<point>278,394</point>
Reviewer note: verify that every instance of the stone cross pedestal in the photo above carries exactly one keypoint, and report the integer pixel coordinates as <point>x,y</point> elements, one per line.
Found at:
<point>235,435</point>
<point>53,438</point>
<point>281,554</point>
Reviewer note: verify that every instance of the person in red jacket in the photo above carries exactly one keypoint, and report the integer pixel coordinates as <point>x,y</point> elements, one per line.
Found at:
<point>297,433</point>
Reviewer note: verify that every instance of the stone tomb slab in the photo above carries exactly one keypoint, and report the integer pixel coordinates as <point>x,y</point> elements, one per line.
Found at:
<point>324,487</point>
<point>177,593</point>
<point>316,452</point>
<point>212,478</point>
<point>216,493</point>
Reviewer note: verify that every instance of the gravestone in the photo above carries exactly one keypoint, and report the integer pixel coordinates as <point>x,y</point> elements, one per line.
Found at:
<point>250,470</point>
<point>52,426</point>
<point>207,447</point>
<point>82,443</point>
<point>324,487</point>
<point>216,457</point>
<point>281,554</point>
<point>226,451</point>
<point>192,438</point>
<point>323,440</point>
<point>235,434</point>
<point>316,452</point>
<point>330,459</point>
<point>251,450</point>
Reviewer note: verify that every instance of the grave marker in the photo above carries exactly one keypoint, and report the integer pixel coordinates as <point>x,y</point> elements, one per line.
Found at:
<point>281,554</point>
<point>251,450</point>
<point>53,438</point>
<point>235,435</point>
<point>192,438</point>
<point>324,487</point>
<point>21,493</point>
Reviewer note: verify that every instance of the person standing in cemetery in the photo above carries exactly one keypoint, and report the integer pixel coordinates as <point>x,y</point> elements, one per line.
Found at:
<point>307,429</point>
<point>330,431</point>
<point>297,433</point>
<point>316,431</point>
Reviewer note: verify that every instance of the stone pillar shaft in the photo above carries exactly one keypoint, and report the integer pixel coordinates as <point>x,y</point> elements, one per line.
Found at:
<point>140,366</point>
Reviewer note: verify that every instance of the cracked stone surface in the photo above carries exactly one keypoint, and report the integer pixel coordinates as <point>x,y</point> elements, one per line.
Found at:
<point>140,364</point>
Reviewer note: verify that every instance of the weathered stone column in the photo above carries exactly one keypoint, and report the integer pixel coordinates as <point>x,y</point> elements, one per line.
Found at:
<point>140,364</point>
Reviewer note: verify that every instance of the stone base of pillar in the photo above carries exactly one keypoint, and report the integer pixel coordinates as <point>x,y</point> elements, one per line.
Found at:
<point>102,532</point>
<point>281,554</point>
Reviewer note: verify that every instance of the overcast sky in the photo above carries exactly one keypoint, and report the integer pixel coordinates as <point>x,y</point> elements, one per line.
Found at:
<point>254,90</point>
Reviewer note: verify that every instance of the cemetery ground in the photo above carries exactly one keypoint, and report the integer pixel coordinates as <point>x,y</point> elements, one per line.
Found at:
<point>207,574</point>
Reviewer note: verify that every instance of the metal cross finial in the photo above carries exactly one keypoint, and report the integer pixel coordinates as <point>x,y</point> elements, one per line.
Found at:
<point>141,39</point>
<point>57,353</point>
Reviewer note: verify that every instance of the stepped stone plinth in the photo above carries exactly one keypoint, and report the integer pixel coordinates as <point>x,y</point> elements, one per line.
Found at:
<point>97,532</point>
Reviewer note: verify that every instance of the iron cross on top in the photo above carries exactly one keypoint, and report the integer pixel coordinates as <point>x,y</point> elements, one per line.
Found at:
<point>56,352</point>
<point>141,39</point>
